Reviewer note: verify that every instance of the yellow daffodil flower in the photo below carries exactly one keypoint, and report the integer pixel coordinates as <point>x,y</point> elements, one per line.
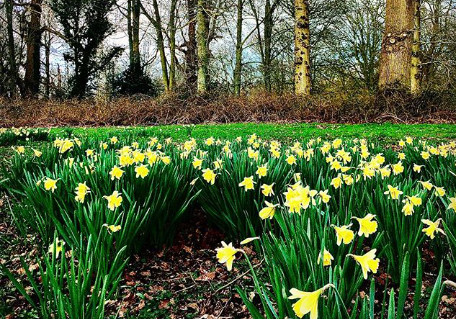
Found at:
<point>367,226</point>
<point>291,160</point>
<point>398,168</point>
<point>56,247</point>
<point>268,211</point>
<point>440,191</point>
<point>432,228</point>
<point>197,163</point>
<point>50,184</point>
<point>247,183</point>
<point>343,234</point>
<point>81,191</point>
<point>327,258</point>
<point>266,189</point>
<point>248,240</point>
<point>262,171</point>
<point>226,254</point>
<point>116,173</point>
<point>113,228</point>
<point>417,168</point>
<point>114,200</point>
<point>336,182</point>
<point>325,197</point>
<point>393,192</point>
<point>308,301</point>
<point>209,176</point>
<point>368,262</point>
<point>37,153</point>
<point>426,185</point>
<point>141,171</point>
<point>452,204</point>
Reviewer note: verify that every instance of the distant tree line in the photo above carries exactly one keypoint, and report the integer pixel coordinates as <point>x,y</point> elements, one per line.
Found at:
<point>71,49</point>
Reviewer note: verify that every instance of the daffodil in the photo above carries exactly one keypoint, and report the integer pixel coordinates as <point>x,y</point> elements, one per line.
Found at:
<point>427,185</point>
<point>247,183</point>
<point>291,160</point>
<point>268,211</point>
<point>37,153</point>
<point>432,228</point>
<point>20,149</point>
<point>452,204</point>
<point>266,189</point>
<point>116,173</point>
<point>114,200</point>
<point>440,191</point>
<point>367,226</point>
<point>248,240</point>
<point>417,168</point>
<point>425,155</point>
<point>343,234</point>
<point>56,247</point>
<point>325,197</point>
<point>398,168</point>
<point>327,258</point>
<point>415,200</point>
<point>50,184</point>
<point>308,301</point>
<point>336,182</point>
<point>408,208</point>
<point>166,160</point>
<point>113,228</point>
<point>81,191</point>
<point>209,176</point>
<point>368,262</point>
<point>226,254</point>
<point>141,171</point>
<point>262,171</point>
<point>393,192</point>
<point>197,163</point>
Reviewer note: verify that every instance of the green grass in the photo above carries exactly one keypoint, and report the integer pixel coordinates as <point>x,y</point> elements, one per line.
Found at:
<point>387,132</point>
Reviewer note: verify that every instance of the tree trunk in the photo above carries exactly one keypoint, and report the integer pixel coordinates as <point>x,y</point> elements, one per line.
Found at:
<point>190,53</point>
<point>33,62</point>
<point>415,71</point>
<point>302,48</point>
<point>11,48</point>
<point>268,24</point>
<point>238,65</point>
<point>172,45</point>
<point>47,54</point>
<point>396,54</point>
<point>161,46</point>
<point>135,54</point>
<point>203,51</point>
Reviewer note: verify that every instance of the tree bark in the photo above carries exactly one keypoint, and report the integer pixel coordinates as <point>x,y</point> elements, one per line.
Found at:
<point>47,66</point>
<point>33,40</point>
<point>203,50</point>
<point>415,71</point>
<point>135,54</point>
<point>302,48</point>
<point>396,53</point>
<point>268,25</point>
<point>172,45</point>
<point>161,46</point>
<point>11,48</point>
<point>239,42</point>
<point>190,53</point>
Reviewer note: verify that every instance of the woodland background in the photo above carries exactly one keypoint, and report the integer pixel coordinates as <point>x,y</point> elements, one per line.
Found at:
<point>98,62</point>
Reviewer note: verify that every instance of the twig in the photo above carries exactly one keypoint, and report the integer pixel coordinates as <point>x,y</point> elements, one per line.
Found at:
<point>238,277</point>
